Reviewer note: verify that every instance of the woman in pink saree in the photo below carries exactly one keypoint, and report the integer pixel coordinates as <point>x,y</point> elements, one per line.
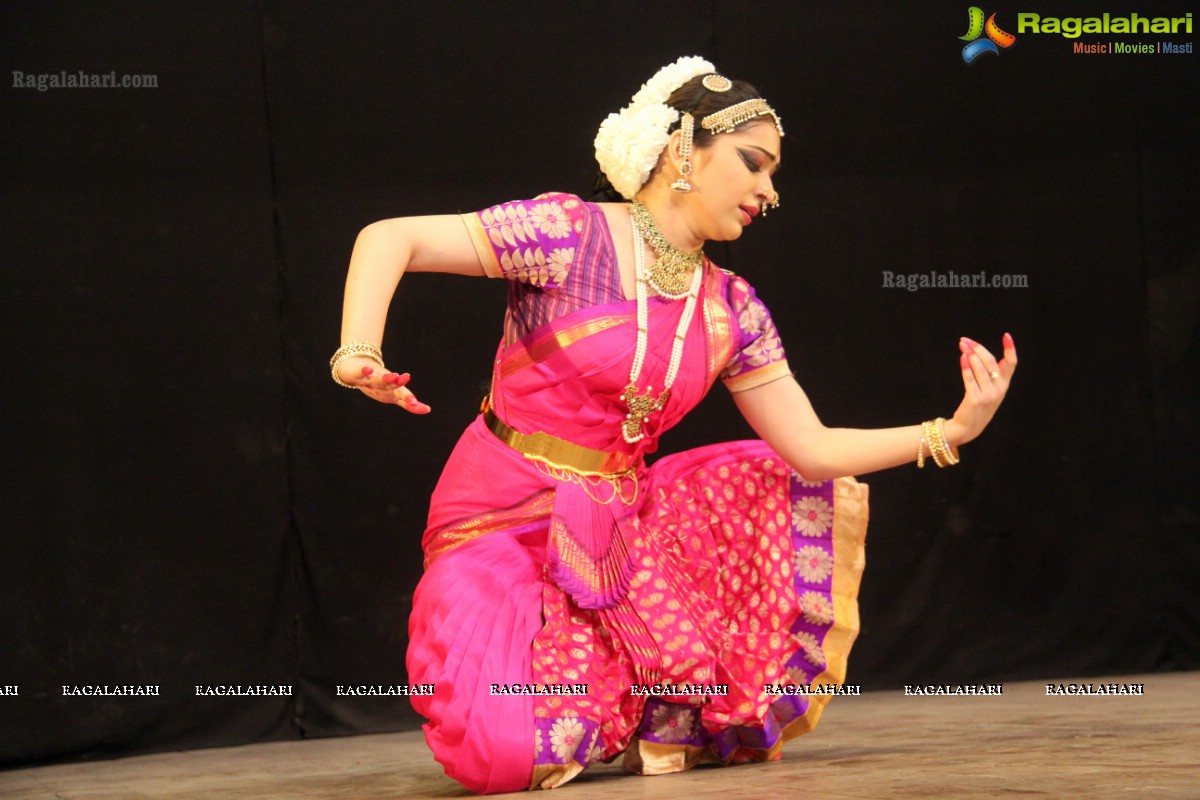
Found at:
<point>578,606</point>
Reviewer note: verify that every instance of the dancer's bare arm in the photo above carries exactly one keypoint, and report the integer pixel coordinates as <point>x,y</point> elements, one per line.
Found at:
<point>383,252</point>
<point>782,415</point>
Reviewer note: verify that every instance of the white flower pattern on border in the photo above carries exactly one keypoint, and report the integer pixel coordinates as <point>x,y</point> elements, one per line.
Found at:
<point>811,516</point>
<point>813,563</point>
<point>798,676</point>
<point>817,608</point>
<point>565,736</point>
<point>596,751</point>
<point>810,648</point>
<point>672,723</point>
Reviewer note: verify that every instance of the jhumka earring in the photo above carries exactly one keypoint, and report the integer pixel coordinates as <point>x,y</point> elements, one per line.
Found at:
<point>686,126</point>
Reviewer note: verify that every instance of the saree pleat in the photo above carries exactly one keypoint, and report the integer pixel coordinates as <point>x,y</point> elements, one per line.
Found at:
<point>465,646</point>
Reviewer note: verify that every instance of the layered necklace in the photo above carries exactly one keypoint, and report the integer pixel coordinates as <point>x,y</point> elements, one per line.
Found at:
<point>669,277</point>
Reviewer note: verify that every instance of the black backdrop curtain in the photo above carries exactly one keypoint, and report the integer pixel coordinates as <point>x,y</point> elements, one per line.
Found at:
<point>189,500</point>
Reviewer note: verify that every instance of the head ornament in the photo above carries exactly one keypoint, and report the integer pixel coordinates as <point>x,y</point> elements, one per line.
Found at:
<point>629,142</point>
<point>717,83</point>
<point>727,119</point>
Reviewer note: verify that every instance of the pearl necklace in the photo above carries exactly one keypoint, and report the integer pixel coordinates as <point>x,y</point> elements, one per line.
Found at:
<point>642,404</point>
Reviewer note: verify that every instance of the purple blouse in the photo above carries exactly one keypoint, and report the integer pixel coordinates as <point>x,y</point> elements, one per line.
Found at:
<point>558,253</point>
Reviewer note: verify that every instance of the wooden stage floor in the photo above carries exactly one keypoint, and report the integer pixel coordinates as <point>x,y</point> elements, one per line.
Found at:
<point>877,745</point>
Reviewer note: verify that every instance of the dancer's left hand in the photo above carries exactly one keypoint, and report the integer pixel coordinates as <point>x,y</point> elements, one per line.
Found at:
<point>985,381</point>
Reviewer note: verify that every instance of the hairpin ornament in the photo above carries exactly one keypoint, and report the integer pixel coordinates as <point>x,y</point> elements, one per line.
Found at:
<point>717,83</point>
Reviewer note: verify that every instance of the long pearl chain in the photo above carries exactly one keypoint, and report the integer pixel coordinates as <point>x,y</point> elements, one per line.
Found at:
<point>642,404</point>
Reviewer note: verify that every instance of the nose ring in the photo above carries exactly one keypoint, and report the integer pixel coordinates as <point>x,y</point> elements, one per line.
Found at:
<point>772,203</point>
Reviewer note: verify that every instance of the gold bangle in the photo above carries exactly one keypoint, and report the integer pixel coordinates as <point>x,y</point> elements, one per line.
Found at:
<point>356,348</point>
<point>353,350</point>
<point>938,445</point>
<point>935,445</point>
<point>951,454</point>
<point>934,433</point>
<point>935,449</point>
<point>921,449</point>
<point>929,433</point>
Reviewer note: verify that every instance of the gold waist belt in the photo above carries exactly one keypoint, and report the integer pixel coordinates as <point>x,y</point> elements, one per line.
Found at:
<point>555,452</point>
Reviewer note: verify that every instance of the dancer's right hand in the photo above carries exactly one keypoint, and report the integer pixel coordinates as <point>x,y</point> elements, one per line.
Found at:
<point>380,384</point>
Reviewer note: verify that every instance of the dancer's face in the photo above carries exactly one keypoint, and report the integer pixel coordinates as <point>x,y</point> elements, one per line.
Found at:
<point>731,178</point>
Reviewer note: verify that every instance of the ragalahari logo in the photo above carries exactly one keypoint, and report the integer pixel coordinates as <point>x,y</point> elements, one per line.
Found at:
<point>996,38</point>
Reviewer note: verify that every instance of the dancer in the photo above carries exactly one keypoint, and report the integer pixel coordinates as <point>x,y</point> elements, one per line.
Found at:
<point>576,604</point>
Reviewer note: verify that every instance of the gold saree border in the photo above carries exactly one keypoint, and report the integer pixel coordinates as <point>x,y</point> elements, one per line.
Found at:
<point>483,245</point>
<point>656,758</point>
<point>548,344</point>
<point>551,776</point>
<point>459,533</point>
<point>758,377</point>
<point>718,322</point>
<point>850,516</point>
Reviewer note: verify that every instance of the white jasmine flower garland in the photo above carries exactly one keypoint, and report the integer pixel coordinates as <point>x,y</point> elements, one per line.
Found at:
<point>629,143</point>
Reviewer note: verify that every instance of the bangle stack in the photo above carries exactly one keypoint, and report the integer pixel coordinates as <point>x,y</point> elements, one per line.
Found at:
<point>933,435</point>
<point>353,350</point>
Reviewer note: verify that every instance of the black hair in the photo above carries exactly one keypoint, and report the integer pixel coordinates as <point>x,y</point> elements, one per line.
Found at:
<point>699,101</point>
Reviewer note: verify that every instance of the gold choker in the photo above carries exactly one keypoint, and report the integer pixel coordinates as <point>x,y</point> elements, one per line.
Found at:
<point>670,274</point>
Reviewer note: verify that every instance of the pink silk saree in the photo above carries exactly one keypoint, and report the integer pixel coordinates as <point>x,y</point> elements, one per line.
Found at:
<point>732,574</point>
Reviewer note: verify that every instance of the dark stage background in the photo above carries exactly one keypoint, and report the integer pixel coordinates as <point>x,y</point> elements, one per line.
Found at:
<point>188,498</point>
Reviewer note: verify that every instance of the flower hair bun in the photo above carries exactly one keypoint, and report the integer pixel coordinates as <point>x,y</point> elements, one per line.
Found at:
<point>629,142</point>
